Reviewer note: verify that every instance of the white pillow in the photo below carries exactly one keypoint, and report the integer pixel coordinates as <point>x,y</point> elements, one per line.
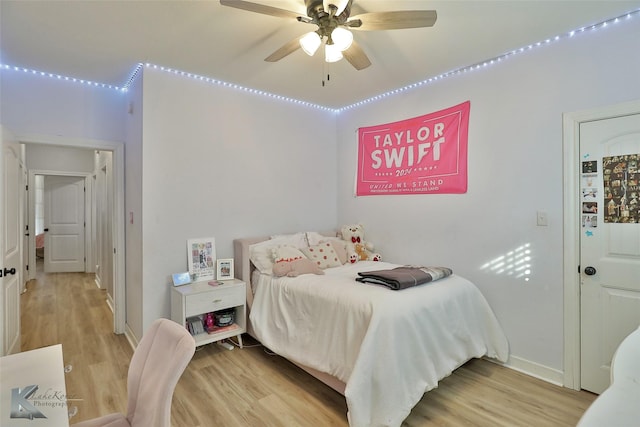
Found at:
<point>297,240</point>
<point>286,253</point>
<point>261,254</point>
<point>314,238</point>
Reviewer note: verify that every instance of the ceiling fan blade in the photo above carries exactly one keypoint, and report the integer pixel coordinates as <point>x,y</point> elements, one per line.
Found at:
<point>356,57</point>
<point>395,20</point>
<point>285,50</point>
<point>260,8</point>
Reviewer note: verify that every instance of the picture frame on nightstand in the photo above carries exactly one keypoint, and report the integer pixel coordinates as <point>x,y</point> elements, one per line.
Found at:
<point>224,269</point>
<point>201,257</point>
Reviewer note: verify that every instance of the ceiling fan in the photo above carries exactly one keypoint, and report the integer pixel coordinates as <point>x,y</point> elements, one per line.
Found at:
<point>334,22</point>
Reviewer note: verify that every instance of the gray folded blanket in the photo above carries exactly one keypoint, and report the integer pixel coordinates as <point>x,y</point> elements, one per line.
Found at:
<point>404,277</point>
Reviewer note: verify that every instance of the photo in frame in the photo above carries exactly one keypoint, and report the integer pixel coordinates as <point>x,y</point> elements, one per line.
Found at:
<point>201,257</point>
<point>224,270</point>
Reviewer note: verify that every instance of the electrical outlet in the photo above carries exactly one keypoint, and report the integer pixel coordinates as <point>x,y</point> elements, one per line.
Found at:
<point>541,219</point>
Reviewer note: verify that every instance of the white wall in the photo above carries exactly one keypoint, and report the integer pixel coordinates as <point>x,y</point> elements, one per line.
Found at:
<point>218,162</point>
<point>133,209</point>
<point>31,104</point>
<point>515,169</point>
<point>59,159</point>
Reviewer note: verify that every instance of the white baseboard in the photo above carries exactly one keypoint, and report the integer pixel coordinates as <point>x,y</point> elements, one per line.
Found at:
<point>534,369</point>
<point>110,303</point>
<point>131,337</point>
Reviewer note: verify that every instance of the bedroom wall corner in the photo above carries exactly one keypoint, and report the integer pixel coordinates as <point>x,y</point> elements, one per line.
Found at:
<point>134,295</point>
<point>514,170</point>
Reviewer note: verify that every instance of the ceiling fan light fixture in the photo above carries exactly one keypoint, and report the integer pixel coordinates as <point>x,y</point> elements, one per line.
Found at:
<point>339,4</point>
<point>310,43</point>
<point>342,38</point>
<point>332,53</point>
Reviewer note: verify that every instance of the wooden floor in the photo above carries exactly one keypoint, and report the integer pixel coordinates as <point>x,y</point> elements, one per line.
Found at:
<point>250,387</point>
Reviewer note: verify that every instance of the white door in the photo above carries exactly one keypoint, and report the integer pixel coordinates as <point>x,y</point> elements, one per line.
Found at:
<point>610,242</point>
<point>25,234</point>
<point>10,242</point>
<point>64,224</point>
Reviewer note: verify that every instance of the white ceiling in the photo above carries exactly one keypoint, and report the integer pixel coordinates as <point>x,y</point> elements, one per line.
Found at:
<point>103,41</point>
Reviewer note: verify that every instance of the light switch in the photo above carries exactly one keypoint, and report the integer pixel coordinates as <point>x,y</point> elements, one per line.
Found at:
<point>541,218</point>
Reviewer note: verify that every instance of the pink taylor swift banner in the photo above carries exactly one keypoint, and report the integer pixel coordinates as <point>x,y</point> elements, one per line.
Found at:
<point>422,155</point>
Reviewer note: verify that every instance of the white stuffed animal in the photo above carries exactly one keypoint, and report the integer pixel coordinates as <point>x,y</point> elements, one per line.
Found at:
<point>357,248</point>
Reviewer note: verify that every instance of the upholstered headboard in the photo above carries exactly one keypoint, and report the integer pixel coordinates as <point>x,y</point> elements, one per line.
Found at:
<point>242,261</point>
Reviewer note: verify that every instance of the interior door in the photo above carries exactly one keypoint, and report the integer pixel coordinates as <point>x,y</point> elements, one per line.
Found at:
<point>64,224</point>
<point>610,242</point>
<point>25,234</point>
<point>10,242</point>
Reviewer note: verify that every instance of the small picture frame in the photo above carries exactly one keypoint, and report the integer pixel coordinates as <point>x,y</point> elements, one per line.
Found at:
<point>224,269</point>
<point>201,257</point>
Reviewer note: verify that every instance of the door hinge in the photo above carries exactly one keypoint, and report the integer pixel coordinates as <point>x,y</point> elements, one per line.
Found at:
<point>27,267</point>
<point>578,269</point>
<point>26,187</point>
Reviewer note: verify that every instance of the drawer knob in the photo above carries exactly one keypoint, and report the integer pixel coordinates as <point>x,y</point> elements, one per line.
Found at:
<point>217,300</point>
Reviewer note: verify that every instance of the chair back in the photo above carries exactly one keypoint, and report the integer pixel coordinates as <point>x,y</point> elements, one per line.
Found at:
<point>156,366</point>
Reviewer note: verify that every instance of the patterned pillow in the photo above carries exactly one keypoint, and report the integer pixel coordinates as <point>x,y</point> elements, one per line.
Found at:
<point>323,255</point>
<point>286,253</point>
<point>340,246</point>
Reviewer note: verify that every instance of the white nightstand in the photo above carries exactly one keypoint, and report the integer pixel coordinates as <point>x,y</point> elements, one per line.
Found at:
<point>200,298</point>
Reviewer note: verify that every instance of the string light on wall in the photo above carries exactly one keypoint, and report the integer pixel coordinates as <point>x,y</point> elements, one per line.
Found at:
<point>237,87</point>
<point>470,68</point>
<point>61,77</point>
<point>500,58</point>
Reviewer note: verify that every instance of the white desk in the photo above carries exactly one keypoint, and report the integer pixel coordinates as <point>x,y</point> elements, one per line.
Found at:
<point>32,384</point>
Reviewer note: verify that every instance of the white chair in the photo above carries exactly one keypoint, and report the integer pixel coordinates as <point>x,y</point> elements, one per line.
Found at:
<point>619,405</point>
<point>156,366</point>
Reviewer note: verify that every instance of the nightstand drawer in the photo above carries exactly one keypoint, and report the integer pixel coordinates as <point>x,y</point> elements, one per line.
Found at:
<point>212,301</point>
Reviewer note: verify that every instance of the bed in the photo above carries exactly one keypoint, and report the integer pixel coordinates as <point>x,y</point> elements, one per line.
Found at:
<point>40,245</point>
<point>381,348</point>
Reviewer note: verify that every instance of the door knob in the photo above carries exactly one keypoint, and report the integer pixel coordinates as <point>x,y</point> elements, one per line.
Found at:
<point>589,271</point>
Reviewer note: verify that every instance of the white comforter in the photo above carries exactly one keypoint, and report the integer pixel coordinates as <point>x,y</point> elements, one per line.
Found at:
<point>389,347</point>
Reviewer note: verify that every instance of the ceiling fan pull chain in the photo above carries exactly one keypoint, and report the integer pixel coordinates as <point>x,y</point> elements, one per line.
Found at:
<point>328,73</point>
<point>325,66</point>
